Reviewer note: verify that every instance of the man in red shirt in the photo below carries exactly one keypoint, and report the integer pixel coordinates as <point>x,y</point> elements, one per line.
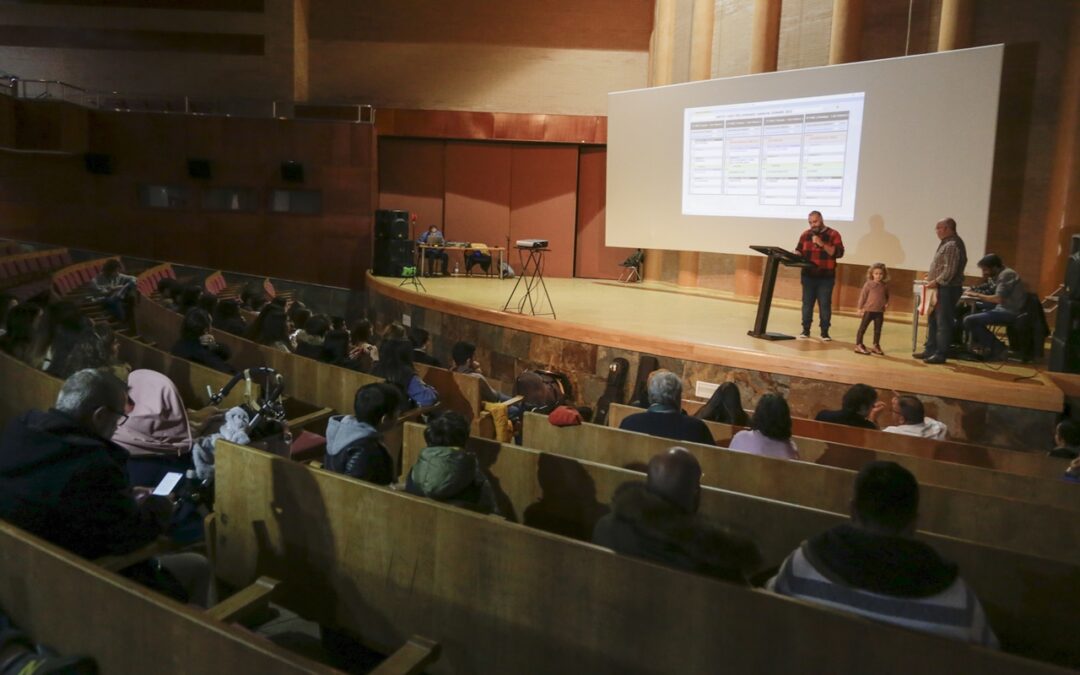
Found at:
<point>822,246</point>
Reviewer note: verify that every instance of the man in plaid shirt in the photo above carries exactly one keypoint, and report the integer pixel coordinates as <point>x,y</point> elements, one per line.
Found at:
<point>822,246</point>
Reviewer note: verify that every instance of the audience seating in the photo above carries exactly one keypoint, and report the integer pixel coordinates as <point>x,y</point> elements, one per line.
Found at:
<point>78,608</point>
<point>503,598</point>
<point>214,284</point>
<point>147,281</point>
<point>999,459</point>
<point>827,452</point>
<point>980,518</point>
<point>25,275</point>
<point>69,279</point>
<point>566,496</point>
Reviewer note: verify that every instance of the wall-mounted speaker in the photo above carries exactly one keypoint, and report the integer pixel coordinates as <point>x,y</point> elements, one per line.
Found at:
<point>292,172</point>
<point>98,163</point>
<point>199,168</point>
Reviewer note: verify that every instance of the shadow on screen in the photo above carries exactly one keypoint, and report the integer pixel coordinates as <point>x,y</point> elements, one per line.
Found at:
<point>880,245</point>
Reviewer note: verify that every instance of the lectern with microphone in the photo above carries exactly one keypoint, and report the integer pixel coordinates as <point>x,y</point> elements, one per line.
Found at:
<point>776,256</point>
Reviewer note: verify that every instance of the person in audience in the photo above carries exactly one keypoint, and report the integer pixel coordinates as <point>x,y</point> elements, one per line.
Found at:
<point>437,257</point>
<point>197,344</point>
<point>769,434</point>
<point>309,340</point>
<point>338,323</point>
<point>299,315</point>
<point>273,328</point>
<point>421,340</point>
<point>281,302</point>
<point>227,317</point>
<point>873,566</point>
<point>463,355</point>
<point>157,434</point>
<point>166,289</point>
<point>190,297</point>
<point>1066,440</point>
<point>362,350</point>
<point>354,444</point>
<point>860,408</point>
<point>911,420</point>
<point>62,479</point>
<point>394,331</point>
<point>664,417</point>
<point>63,326</point>
<point>396,367</point>
<point>446,472</point>
<point>335,350</point>
<point>1005,304</point>
<point>725,406</point>
<point>24,336</point>
<point>113,289</point>
<point>208,303</point>
<point>253,298</point>
<point>658,520</point>
<point>98,348</point>
<point>7,303</point>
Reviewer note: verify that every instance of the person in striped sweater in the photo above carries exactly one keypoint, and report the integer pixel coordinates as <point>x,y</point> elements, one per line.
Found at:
<point>874,567</point>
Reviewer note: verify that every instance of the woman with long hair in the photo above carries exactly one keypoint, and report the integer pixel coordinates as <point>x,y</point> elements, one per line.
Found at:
<point>770,430</point>
<point>396,367</point>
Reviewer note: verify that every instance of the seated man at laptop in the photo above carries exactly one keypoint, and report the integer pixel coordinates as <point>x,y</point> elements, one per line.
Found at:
<point>436,258</point>
<point>1001,307</point>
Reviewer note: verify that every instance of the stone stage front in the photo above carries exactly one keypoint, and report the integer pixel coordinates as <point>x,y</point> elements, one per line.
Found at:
<point>702,335</point>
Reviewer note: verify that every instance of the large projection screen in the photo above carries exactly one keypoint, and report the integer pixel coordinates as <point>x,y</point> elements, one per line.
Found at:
<point>884,149</point>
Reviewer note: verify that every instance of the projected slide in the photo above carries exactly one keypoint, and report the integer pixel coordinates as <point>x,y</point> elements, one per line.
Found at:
<point>773,159</point>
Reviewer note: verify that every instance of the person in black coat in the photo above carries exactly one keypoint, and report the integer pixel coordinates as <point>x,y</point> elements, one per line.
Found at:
<point>658,520</point>
<point>665,417</point>
<point>62,480</point>
<point>420,339</point>
<point>197,345</point>
<point>860,408</point>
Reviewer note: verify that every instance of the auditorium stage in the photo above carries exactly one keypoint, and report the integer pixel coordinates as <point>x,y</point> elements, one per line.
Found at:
<point>710,327</point>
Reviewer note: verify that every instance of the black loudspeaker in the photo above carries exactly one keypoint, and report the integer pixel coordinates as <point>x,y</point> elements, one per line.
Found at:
<point>293,172</point>
<point>1065,347</point>
<point>199,168</point>
<point>391,255</point>
<point>98,163</point>
<point>391,225</point>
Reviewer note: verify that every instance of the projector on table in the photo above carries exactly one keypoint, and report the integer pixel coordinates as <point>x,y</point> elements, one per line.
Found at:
<point>532,243</point>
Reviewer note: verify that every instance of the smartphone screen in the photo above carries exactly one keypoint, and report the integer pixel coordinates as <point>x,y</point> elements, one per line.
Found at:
<point>168,484</point>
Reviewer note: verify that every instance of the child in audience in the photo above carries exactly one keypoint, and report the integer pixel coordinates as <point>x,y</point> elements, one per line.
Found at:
<point>770,431</point>
<point>873,299</point>
<point>446,471</point>
<point>354,442</point>
<point>1066,440</point>
<point>725,406</point>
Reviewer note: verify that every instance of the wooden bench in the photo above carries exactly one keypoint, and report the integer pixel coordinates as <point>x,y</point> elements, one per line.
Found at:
<point>1051,492</point>
<point>503,598</point>
<point>567,496</point>
<point>1008,461</point>
<point>1018,526</point>
<point>78,608</point>
<point>457,391</point>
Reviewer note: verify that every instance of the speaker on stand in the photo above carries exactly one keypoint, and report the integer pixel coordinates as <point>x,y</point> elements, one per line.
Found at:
<point>394,248</point>
<point>1065,346</point>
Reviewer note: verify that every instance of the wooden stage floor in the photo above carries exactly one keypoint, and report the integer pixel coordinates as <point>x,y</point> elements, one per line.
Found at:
<point>709,327</point>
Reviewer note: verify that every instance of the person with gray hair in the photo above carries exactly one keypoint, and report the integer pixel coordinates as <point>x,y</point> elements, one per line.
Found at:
<point>665,417</point>
<point>64,480</point>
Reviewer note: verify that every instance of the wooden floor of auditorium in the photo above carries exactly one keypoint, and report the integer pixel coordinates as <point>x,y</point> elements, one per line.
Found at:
<point>711,327</point>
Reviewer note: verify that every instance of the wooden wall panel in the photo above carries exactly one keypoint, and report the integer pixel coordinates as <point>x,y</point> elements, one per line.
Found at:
<point>478,192</point>
<point>543,201</point>
<point>594,259</point>
<point>411,177</point>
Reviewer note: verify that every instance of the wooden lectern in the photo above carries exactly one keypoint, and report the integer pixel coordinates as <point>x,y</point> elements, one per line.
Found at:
<point>776,256</point>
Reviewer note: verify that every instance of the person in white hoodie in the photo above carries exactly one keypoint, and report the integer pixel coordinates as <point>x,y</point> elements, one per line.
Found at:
<point>354,442</point>
<point>912,420</point>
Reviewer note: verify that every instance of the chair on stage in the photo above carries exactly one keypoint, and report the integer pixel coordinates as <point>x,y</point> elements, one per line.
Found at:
<point>632,267</point>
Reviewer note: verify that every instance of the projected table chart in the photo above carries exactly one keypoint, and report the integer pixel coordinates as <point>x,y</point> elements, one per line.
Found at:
<point>535,290</point>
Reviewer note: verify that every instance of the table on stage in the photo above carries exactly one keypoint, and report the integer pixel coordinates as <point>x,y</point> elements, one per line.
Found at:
<point>494,268</point>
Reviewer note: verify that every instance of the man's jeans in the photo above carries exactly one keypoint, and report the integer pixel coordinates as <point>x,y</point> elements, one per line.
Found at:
<point>817,289</point>
<point>977,325</point>
<point>939,329</point>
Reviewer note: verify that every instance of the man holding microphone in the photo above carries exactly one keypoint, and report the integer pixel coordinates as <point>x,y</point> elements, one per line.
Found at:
<point>822,246</point>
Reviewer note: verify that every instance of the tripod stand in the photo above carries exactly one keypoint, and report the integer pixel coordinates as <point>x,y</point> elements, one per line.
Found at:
<point>536,293</point>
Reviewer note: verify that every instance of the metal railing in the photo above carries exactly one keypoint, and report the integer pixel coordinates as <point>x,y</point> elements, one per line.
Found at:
<point>58,90</point>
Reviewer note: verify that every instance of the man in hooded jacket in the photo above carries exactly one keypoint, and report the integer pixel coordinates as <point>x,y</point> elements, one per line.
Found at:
<point>354,442</point>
